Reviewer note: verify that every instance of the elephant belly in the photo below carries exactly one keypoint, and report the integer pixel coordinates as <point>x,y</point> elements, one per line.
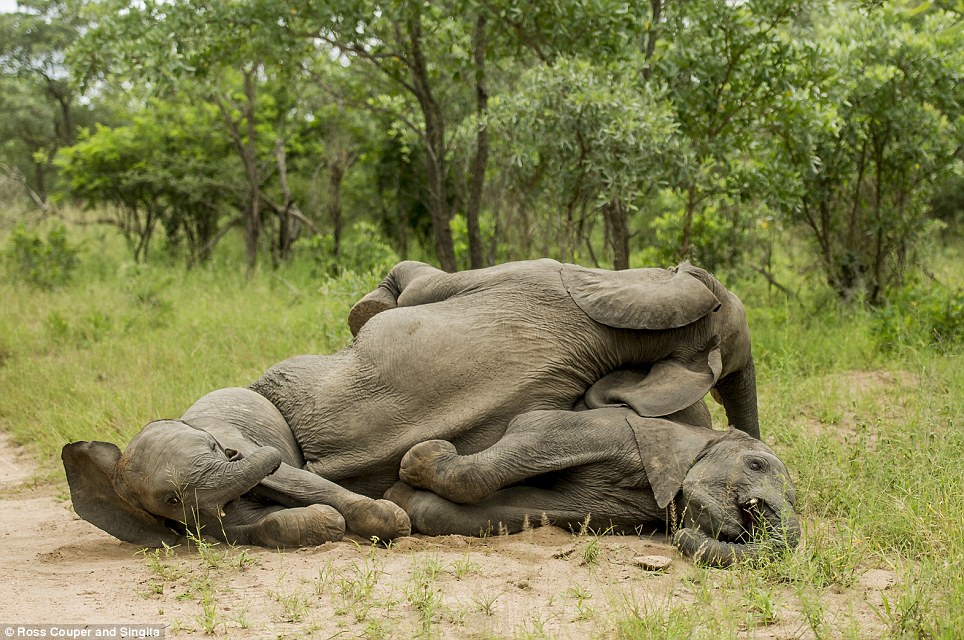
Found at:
<point>464,355</point>
<point>448,370</point>
<point>457,370</point>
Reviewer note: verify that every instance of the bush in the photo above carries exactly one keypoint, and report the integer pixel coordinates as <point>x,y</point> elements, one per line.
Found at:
<point>363,251</point>
<point>921,316</point>
<point>47,264</point>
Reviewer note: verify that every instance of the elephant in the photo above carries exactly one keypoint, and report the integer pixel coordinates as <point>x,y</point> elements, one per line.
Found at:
<point>731,498</point>
<point>307,451</point>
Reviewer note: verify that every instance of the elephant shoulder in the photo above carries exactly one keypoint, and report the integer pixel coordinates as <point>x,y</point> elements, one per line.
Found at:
<point>652,299</point>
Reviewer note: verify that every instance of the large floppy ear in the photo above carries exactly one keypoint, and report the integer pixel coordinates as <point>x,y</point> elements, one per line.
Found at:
<point>90,468</point>
<point>640,298</point>
<point>668,451</point>
<point>671,385</point>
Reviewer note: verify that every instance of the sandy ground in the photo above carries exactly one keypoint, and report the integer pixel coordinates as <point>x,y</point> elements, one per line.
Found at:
<point>57,569</point>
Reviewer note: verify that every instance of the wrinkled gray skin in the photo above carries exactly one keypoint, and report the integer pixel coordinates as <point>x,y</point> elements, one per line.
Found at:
<point>443,356</point>
<point>733,497</point>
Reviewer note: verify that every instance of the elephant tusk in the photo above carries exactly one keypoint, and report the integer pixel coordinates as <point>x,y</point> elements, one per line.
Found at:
<point>753,502</point>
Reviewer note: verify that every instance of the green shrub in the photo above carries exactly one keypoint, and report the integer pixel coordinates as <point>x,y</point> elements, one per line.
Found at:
<point>47,264</point>
<point>921,316</point>
<point>363,250</point>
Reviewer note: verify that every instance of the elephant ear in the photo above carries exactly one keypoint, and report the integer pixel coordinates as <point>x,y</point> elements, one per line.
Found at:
<point>671,385</point>
<point>668,451</point>
<point>90,468</point>
<point>640,298</point>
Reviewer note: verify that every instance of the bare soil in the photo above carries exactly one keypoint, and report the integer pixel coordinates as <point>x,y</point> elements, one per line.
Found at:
<point>545,583</point>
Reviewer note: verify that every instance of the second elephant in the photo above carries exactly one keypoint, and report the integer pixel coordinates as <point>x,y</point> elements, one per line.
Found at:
<point>730,496</point>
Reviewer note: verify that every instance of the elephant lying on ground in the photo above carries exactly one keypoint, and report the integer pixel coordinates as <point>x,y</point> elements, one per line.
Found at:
<point>437,356</point>
<point>731,496</point>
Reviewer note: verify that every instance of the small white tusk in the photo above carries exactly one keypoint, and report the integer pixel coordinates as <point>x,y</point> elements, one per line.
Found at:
<point>753,501</point>
<point>221,513</point>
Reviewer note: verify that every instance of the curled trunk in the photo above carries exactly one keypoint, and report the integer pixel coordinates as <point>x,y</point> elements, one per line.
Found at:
<point>237,478</point>
<point>777,535</point>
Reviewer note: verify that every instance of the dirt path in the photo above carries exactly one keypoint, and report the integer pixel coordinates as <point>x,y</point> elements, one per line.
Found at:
<point>546,583</point>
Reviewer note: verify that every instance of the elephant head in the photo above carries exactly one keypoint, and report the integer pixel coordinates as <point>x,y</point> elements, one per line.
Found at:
<point>734,498</point>
<point>737,503</point>
<point>172,477</point>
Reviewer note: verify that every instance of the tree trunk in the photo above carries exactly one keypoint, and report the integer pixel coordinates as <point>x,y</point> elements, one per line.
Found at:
<point>617,231</point>
<point>481,158</point>
<point>247,151</point>
<point>685,240</point>
<point>338,164</point>
<point>656,9</point>
<point>70,129</point>
<point>434,149</point>
<point>289,226</point>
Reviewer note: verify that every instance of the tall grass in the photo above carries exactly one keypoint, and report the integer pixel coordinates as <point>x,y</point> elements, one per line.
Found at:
<point>871,431</point>
<point>126,343</point>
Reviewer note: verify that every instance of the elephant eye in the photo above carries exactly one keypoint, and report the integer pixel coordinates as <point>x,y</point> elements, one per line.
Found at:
<point>756,464</point>
<point>173,501</point>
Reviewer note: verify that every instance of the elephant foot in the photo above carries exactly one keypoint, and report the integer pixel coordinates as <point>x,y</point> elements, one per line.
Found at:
<point>430,514</point>
<point>400,493</point>
<point>431,465</point>
<point>382,519</point>
<point>300,527</point>
<point>410,499</point>
<point>371,305</point>
<point>424,466</point>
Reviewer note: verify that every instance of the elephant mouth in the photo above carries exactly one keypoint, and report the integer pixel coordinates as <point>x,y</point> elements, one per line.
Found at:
<point>760,531</point>
<point>753,517</point>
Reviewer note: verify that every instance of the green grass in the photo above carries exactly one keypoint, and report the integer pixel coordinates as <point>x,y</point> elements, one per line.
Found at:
<point>124,344</point>
<point>871,431</point>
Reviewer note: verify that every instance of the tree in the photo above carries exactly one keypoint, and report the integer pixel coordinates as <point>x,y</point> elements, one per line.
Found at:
<point>163,168</point>
<point>724,65</point>
<point>236,56</point>
<point>595,138</point>
<point>875,124</point>
<point>414,55</point>
<point>37,98</point>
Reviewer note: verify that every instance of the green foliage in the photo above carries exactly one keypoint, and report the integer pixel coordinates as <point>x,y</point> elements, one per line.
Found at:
<point>594,140</point>
<point>46,263</point>
<point>872,123</point>
<point>921,315</point>
<point>37,97</point>
<point>364,251</point>
<point>724,66</point>
<point>164,167</point>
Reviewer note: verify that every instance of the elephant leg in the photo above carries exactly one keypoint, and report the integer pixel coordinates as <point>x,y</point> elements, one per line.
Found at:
<point>363,516</point>
<point>511,510</point>
<point>385,296</point>
<point>535,443</point>
<point>737,393</point>
<point>289,528</point>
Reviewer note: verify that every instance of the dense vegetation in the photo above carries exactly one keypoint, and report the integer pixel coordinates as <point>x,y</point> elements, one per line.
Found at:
<point>467,132</point>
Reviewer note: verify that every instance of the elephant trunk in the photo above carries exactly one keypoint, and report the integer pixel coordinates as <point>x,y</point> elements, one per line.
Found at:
<point>737,392</point>
<point>235,478</point>
<point>703,549</point>
<point>774,533</point>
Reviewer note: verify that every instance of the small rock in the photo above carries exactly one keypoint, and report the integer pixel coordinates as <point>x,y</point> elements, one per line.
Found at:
<point>652,563</point>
